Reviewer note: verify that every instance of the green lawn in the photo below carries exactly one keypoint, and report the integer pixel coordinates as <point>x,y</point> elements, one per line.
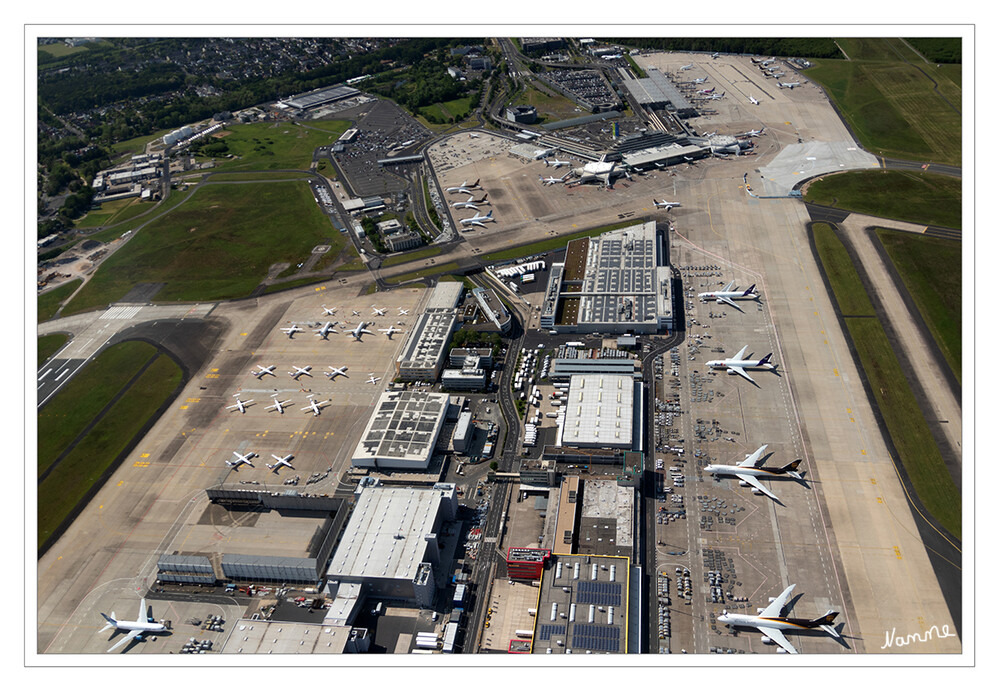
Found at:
<point>903,418</point>
<point>114,212</point>
<point>138,144</point>
<point>49,345</point>
<point>424,253</point>
<point>270,146</point>
<point>81,469</point>
<point>423,273</point>
<point>48,303</point>
<point>931,270</point>
<point>218,245</point>
<point>924,198</point>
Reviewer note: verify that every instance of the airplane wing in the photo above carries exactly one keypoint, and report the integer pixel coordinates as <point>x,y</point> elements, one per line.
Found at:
<point>143,612</point>
<point>741,372</point>
<point>758,485</point>
<point>741,353</point>
<point>722,298</point>
<point>753,458</point>
<point>132,635</point>
<point>776,607</point>
<point>777,637</point>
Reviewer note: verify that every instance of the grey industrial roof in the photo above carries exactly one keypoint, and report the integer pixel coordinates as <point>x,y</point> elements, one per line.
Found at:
<point>315,98</point>
<point>404,425</point>
<point>599,410</point>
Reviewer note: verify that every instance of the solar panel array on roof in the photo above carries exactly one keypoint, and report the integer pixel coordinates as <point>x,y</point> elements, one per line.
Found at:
<point>598,593</point>
<point>606,639</point>
<point>546,631</point>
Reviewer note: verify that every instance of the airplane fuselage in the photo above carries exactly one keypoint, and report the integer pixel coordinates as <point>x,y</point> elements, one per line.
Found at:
<point>744,364</point>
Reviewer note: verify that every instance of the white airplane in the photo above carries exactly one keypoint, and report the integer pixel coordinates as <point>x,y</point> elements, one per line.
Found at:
<point>242,405</point>
<point>770,622</point>
<point>557,163</point>
<point>403,312</point>
<point>477,220</point>
<point>767,62</point>
<point>715,97</point>
<point>551,180</point>
<point>736,365</point>
<point>686,67</point>
<point>754,101</point>
<point>665,204</point>
<point>337,371</point>
<point>329,310</point>
<point>715,56</point>
<point>326,330</point>
<point>727,294</point>
<point>467,204</point>
<point>706,92</point>
<point>463,187</point>
<point>316,407</point>
<point>299,371</point>
<point>391,330</point>
<point>358,330</point>
<point>748,472</point>
<point>356,313</point>
<point>700,80</point>
<point>278,405</point>
<point>263,371</point>
<point>280,462</point>
<point>602,170</point>
<point>473,135</point>
<point>136,629</point>
<point>373,379</point>
<point>788,85</point>
<point>240,460</point>
<point>753,133</point>
<point>380,311</point>
<point>292,330</point>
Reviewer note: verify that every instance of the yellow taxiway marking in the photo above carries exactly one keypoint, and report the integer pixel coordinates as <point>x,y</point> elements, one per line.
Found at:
<point>194,400</point>
<point>145,455</point>
<point>215,369</point>
<point>121,482</point>
<point>211,376</point>
<point>835,371</point>
<point>243,334</point>
<point>183,407</point>
<point>863,452</point>
<point>141,464</point>
<point>321,288</point>
<point>873,481</point>
<point>880,500</point>
<point>898,552</point>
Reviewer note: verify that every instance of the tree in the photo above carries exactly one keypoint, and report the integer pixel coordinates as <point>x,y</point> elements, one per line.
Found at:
<point>493,465</point>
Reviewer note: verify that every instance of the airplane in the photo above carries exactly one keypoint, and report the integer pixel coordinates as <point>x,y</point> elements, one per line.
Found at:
<point>727,294</point>
<point>358,330</point>
<point>467,204</point>
<point>316,407</point>
<point>715,56</point>
<point>278,405</point>
<point>776,75</point>
<point>736,365</point>
<point>557,163</point>
<point>242,405</point>
<point>770,622</point>
<point>753,133</point>
<point>136,629</point>
<point>473,135</point>
<point>292,330</point>
<point>700,80</point>
<point>380,311</point>
<point>240,460</point>
<point>707,92</point>
<point>748,472</point>
<point>463,187</point>
<point>665,204</point>
<point>715,97</point>
<point>767,62</point>
<point>477,220</point>
<point>754,101</point>
<point>263,371</point>
<point>280,462</point>
<point>788,85</point>
<point>356,313</point>
<point>686,67</point>
<point>403,312</point>
<point>341,371</point>
<point>325,331</point>
<point>373,379</point>
<point>329,310</point>
<point>602,170</point>
<point>299,371</point>
<point>551,180</point>
<point>391,330</point>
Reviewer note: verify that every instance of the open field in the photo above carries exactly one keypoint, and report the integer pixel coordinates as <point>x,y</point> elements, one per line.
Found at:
<point>271,146</point>
<point>48,302</point>
<point>898,406</point>
<point>218,245</point>
<point>49,345</point>
<point>138,144</point>
<point>924,198</point>
<point>422,273</point>
<point>931,270</point>
<point>108,234</point>
<point>423,253</point>
<point>115,211</point>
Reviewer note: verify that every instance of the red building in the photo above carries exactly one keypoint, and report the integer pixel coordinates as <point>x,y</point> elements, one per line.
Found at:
<point>526,563</point>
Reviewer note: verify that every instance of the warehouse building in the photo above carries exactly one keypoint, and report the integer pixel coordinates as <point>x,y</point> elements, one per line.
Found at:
<point>602,411</point>
<point>423,354</point>
<point>319,97</point>
<point>402,431</point>
<point>657,91</point>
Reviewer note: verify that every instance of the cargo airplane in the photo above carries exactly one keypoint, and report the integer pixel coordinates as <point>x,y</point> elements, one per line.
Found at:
<point>136,629</point>
<point>358,330</point>
<point>771,623</point>
<point>788,85</point>
<point>463,187</point>
<point>736,365</point>
<point>748,472</point>
<point>477,220</point>
<point>728,295</point>
<point>325,330</point>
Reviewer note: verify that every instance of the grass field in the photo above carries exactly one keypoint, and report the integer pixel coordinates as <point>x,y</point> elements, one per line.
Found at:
<point>898,406</point>
<point>48,303</point>
<point>931,270</point>
<point>49,345</point>
<point>115,211</point>
<point>271,146</point>
<point>896,109</point>
<point>81,469</point>
<point>218,245</point>
<point>423,273</point>
<point>424,253</point>
<point>138,144</point>
<point>924,198</point>
<point>550,108</point>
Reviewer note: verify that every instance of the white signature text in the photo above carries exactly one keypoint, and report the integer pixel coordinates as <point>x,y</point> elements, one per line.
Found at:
<point>892,640</point>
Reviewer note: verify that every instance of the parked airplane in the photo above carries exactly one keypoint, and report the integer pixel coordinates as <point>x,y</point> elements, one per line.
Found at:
<point>767,62</point>
<point>665,204</point>
<point>314,406</point>
<point>473,135</point>
<point>356,313</point>
<point>373,379</point>
<point>263,371</point>
<point>754,101</point>
<point>700,80</point>
<point>770,622</point>
<point>329,310</point>
<point>557,163</point>
<point>240,460</point>
<point>337,371</point>
<point>748,472</point>
<point>715,97</point>
<point>391,330</point>
<point>463,187</point>
<point>136,629</point>
<point>727,294</point>
<point>325,330</point>
<point>714,56</point>
<point>602,170</point>
<point>242,405</point>
<point>403,312</point>
<point>467,204</point>
<point>280,462</point>
<point>736,365</point>
<point>380,311</point>
<point>686,67</point>
<point>753,133</point>
<point>292,330</point>
<point>299,371</point>
<point>278,405</point>
<point>707,92</point>
<point>477,220</point>
<point>788,85</point>
<point>358,330</point>
<point>551,180</point>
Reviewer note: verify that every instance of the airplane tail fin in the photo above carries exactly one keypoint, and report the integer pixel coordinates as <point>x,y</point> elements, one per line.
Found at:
<point>825,623</point>
<point>792,469</point>
<point>766,361</point>
<point>750,289</point>
<point>112,621</point>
